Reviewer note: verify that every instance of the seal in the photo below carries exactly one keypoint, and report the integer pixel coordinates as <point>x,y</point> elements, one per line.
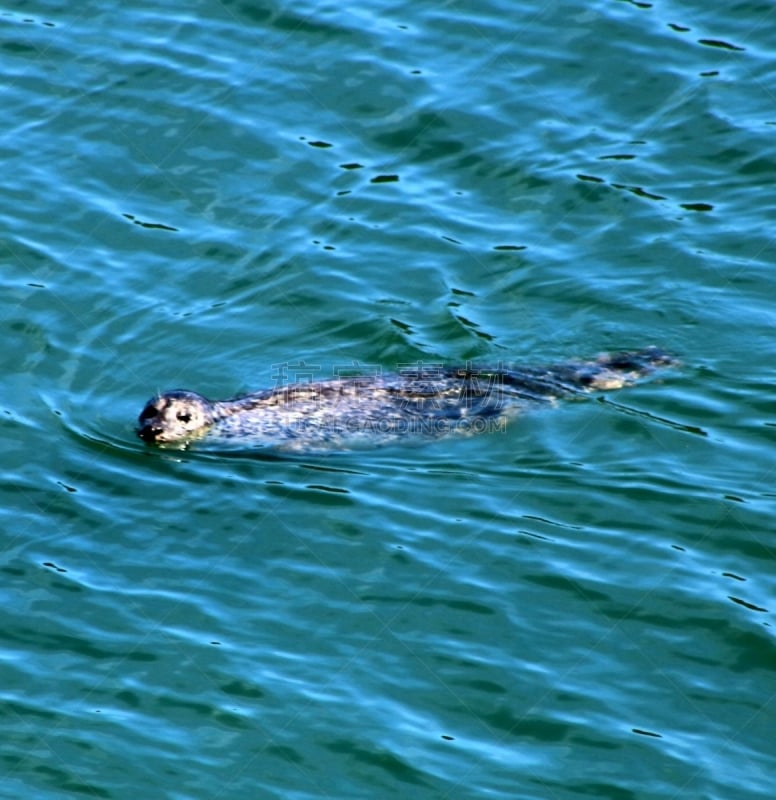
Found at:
<point>369,410</point>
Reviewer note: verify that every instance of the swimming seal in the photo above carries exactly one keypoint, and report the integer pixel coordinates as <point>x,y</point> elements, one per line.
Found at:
<point>423,401</point>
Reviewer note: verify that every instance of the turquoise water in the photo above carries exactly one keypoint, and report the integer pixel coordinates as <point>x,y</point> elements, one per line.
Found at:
<point>194,195</point>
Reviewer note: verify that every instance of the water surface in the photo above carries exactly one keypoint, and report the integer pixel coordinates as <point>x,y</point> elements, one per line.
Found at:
<point>200,196</point>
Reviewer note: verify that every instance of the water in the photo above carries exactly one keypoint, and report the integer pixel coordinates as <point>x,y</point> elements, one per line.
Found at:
<point>195,195</point>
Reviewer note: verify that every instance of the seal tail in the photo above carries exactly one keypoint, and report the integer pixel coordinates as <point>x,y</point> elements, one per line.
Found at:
<point>608,371</point>
<point>646,360</point>
<point>613,370</point>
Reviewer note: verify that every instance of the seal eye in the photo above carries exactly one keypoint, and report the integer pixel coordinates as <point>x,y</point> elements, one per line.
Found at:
<point>184,417</point>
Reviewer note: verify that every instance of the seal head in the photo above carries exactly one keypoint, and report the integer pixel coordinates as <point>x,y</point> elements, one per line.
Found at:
<point>175,417</point>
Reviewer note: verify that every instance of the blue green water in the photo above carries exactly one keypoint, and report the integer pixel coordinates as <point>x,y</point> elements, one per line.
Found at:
<point>195,194</point>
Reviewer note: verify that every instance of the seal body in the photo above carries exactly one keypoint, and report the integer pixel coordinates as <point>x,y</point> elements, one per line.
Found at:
<point>345,413</point>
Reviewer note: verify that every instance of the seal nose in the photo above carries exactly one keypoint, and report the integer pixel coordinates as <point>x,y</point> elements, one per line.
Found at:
<point>148,433</point>
<point>147,430</point>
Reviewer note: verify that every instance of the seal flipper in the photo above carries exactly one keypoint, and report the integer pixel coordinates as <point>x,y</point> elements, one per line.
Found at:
<point>641,361</point>
<point>608,371</point>
<point>614,370</point>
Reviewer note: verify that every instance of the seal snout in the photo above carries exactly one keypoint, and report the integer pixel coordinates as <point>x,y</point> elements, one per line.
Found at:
<point>150,423</point>
<point>149,433</point>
